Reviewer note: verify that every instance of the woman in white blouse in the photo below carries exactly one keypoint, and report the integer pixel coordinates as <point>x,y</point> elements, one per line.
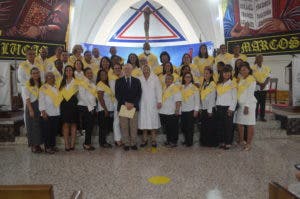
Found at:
<point>247,102</point>
<point>208,135</point>
<point>226,103</point>
<point>49,102</point>
<point>86,105</point>
<point>33,119</point>
<point>106,99</point>
<point>189,107</point>
<point>170,110</point>
<point>78,69</point>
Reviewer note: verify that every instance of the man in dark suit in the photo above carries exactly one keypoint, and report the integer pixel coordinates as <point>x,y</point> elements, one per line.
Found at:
<point>128,93</point>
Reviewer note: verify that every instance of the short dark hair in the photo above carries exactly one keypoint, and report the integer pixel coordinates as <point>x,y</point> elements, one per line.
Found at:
<point>164,70</point>
<point>227,68</point>
<point>188,73</point>
<point>164,53</point>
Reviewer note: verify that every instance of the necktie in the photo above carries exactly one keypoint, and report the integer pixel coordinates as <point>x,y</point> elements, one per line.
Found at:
<point>128,82</point>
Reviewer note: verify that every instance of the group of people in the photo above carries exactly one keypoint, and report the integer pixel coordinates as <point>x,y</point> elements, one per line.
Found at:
<point>65,93</point>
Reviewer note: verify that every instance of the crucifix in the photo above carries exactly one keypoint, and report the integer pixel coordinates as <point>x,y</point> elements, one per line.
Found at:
<point>147,12</point>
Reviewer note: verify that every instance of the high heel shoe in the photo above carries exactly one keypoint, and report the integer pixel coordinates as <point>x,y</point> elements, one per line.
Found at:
<point>144,144</point>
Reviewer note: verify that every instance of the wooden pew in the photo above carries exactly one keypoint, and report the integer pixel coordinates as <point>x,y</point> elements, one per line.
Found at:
<point>26,192</point>
<point>276,191</point>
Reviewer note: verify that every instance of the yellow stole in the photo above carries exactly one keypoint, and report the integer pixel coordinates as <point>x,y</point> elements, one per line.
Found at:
<point>158,70</point>
<point>56,98</point>
<point>25,66</point>
<point>243,85</point>
<point>187,93</point>
<point>34,90</point>
<point>224,89</point>
<point>88,86</point>
<point>226,58</point>
<point>262,75</point>
<point>68,93</point>
<point>136,72</point>
<point>107,90</point>
<point>170,91</point>
<point>206,91</point>
<point>203,62</point>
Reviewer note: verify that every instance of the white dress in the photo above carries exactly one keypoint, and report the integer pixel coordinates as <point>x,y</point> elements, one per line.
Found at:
<point>151,95</point>
<point>248,99</point>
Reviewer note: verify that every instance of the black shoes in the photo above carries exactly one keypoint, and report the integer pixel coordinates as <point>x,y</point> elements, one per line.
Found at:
<point>134,147</point>
<point>106,145</point>
<point>88,147</point>
<point>126,148</point>
<point>145,143</point>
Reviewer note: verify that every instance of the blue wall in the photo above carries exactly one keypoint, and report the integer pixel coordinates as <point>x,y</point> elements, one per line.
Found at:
<point>175,52</point>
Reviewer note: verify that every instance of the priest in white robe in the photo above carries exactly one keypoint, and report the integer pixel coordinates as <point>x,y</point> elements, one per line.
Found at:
<point>150,104</point>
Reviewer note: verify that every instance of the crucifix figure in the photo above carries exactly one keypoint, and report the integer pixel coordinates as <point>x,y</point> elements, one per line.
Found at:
<point>147,12</point>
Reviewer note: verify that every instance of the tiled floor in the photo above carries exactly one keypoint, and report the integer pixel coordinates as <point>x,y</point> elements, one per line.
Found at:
<point>113,173</point>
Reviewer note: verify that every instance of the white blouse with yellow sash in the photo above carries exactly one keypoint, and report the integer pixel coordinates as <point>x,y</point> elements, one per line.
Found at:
<point>261,74</point>
<point>208,96</point>
<point>70,89</point>
<point>201,63</point>
<point>226,58</point>
<point>136,72</point>
<point>246,98</point>
<point>151,58</point>
<point>30,92</point>
<point>49,100</point>
<point>241,56</point>
<point>87,94</point>
<point>108,97</point>
<point>24,71</point>
<point>245,91</point>
<point>190,98</point>
<point>95,68</point>
<point>170,96</point>
<point>227,95</point>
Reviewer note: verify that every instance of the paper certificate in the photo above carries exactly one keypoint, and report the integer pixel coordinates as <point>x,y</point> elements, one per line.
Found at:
<point>124,112</point>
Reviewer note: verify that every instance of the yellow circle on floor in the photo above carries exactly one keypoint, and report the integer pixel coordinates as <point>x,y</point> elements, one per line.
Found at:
<point>157,180</point>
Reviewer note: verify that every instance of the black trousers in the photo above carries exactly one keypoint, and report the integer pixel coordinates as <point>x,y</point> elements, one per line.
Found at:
<point>225,124</point>
<point>261,103</point>
<point>170,126</point>
<point>104,126</point>
<point>50,127</point>
<point>187,126</point>
<point>208,135</point>
<point>88,123</point>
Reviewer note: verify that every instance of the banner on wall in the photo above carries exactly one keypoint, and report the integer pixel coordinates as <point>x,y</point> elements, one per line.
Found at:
<point>5,97</point>
<point>176,52</point>
<point>296,80</point>
<point>263,26</point>
<point>26,23</point>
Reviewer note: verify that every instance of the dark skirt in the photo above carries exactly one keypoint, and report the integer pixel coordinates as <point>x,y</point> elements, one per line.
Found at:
<point>69,110</point>
<point>33,126</point>
<point>208,136</point>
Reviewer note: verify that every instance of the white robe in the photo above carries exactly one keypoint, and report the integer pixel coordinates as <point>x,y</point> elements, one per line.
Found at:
<point>151,95</point>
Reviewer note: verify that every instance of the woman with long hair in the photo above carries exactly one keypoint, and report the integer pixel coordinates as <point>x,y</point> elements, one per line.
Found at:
<point>203,59</point>
<point>226,103</point>
<point>106,99</point>
<point>245,115</point>
<point>189,107</point>
<point>69,109</point>
<point>86,105</point>
<point>33,119</point>
<point>168,69</point>
<point>208,135</point>
<point>134,61</point>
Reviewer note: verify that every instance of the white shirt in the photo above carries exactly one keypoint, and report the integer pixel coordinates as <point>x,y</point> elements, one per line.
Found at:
<point>28,95</point>
<point>85,98</point>
<point>209,102</point>
<point>107,99</point>
<point>193,103</point>
<point>267,87</point>
<point>247,98</point>
<point>169,106</point>
<point>23,77</point>
<point>46,104</point>
<point>79,75</point>
<point>229,98</point>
